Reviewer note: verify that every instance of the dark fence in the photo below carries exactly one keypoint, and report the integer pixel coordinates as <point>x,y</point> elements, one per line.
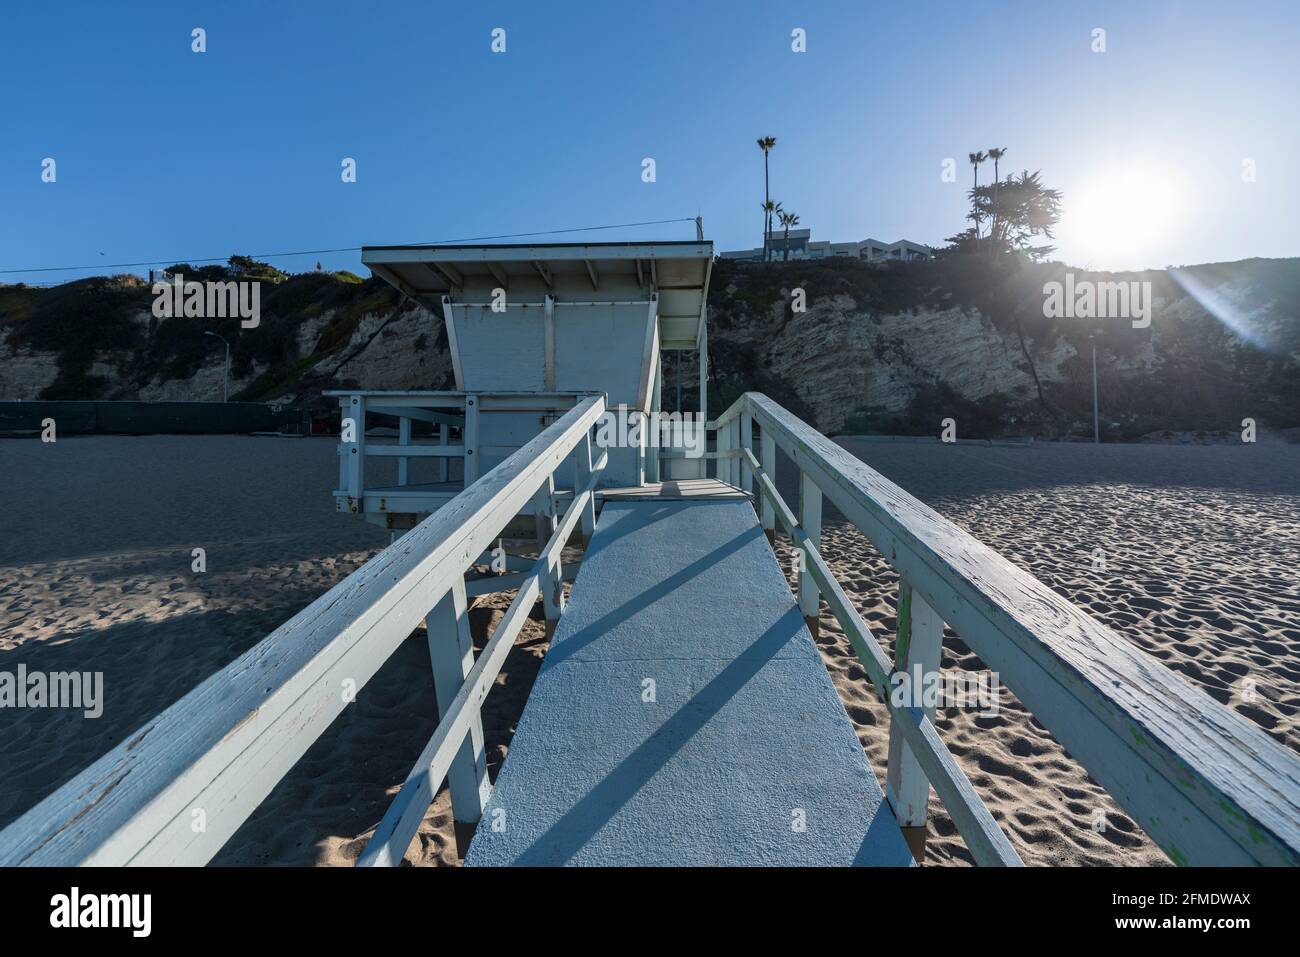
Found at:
<point>147,418</point>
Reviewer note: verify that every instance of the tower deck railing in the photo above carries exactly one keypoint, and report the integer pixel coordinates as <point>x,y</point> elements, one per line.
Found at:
<point>1209,787</point>
<point>454,421</point>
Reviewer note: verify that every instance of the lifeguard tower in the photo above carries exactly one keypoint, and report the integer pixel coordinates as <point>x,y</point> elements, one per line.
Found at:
<point>530,329</point>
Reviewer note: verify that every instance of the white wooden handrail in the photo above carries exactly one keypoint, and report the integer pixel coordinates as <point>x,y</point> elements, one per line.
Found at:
<point>1209,787</point>
<point>176,790</point>
<point>395,832</point>
<point>985,840</point>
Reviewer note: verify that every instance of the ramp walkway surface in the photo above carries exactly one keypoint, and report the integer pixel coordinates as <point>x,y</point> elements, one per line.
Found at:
<point>683,715</point>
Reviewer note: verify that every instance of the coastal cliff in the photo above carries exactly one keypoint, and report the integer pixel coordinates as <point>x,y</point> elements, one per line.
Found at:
<point>851,347</point>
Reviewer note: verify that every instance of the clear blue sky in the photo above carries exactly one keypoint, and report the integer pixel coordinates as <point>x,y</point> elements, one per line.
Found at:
<point>167,154</point>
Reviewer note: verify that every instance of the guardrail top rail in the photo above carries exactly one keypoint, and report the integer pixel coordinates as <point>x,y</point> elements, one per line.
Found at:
<point>1208,786</point>
<point>221,748</point>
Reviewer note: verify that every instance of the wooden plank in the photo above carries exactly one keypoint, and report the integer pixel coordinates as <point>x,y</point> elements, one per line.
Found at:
<point>415,451</point>
<point>649,352</point>
<point>224,746</point>
<point>810,520</point>
<point>403,438</point>
<point>920,645</point>
<point>449,320</point>
<point>395,831</point>
<point>984,839</point>
<point>470,437</point>
<point>1209,787</point>
<point>345,457</point>
<point>414,490</point>
<point>451,653</point>
<point>768,515</point>
<point>704,361</point>
<point>581,475</point>
<point>722,456</point>
<point>673,489</point>
<point>356,449</point>
<point>495,584</point>
<point>550,577</point>
<point>548,319</point>
<point>746,442</point>
<point>420,415</point>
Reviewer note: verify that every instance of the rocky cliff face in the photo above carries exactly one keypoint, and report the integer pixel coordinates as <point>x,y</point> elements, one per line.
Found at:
<point>899,348</point>
<point>891,349</point>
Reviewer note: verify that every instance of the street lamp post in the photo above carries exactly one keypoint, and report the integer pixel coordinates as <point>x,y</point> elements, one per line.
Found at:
<point>225,382</point>
<point>1096,422</point>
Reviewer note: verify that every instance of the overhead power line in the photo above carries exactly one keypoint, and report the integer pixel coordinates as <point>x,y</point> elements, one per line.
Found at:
<point>342,249</point>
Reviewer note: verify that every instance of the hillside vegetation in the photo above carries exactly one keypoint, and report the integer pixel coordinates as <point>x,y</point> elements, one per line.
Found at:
<point>890,348</point>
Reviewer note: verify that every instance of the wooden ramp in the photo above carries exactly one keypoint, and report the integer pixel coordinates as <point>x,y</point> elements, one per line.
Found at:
<point>683,715</point>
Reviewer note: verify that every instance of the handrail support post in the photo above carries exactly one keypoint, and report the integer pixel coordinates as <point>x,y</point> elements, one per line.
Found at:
<point>582,475</point>
<point>810,520</point>
<point>356,452</point>
<point>768,459</point>
<point>470,440</point>
<point>746,442</point>
<point>919,652</point>
<point>451,652</point>
<point>551,580</point>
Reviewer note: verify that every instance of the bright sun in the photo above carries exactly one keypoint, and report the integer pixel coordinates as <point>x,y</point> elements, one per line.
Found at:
<point>1121,219</point>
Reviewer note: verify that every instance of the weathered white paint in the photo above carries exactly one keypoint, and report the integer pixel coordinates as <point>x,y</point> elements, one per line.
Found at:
<point>1206,785</point>
<point>768,460</point>
<point>649,354</point>
<point>226,744</point>
<point>746,442</point>
<point>451,652</point>
<point>984,839</point>
<point>548,313</point>
<point>810,519</point>
<point>402,452</point>
<point>394,833</point>
<point>920,644</point>
<point>453,343</point>
<point>356,454</point>
<point>493,584</point>
<point>396,830</point>
<point>722,455</point>
<point>503,350</point>
<point>473,454</point>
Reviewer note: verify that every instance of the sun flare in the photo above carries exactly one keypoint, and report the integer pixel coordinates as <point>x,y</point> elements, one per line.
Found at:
<point>1121,218</point>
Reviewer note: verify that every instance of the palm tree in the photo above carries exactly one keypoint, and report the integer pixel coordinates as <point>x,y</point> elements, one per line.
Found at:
<point>765,143</point>
<point>975,160</point>
<point>771,209</point>
<point>995,153</point>
<point>788,220</point>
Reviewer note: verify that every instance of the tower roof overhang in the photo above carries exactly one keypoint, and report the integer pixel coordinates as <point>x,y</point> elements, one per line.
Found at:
<point>678,272</point>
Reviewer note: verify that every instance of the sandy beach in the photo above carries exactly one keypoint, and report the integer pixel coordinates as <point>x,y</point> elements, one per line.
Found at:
<point>1201,546</point>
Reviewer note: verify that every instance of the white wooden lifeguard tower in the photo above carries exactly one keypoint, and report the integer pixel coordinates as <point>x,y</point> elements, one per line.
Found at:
<point>530,329</point>
<point>678,593</point>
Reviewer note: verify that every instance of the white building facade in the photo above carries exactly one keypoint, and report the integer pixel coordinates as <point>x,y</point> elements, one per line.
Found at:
<point>803,247</point>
